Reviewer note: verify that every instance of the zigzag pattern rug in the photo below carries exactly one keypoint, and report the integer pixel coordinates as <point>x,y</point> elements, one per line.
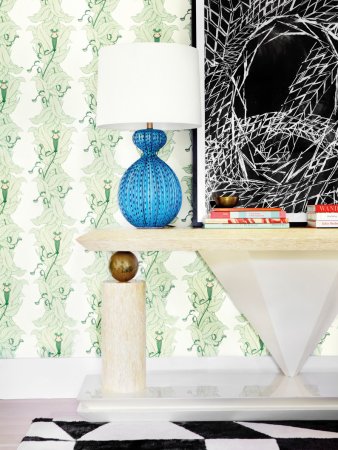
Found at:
<point>49,434</point>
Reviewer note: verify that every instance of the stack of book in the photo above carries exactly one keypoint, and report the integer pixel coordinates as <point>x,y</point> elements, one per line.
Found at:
<point>322,216</point>
<point>246,218</point>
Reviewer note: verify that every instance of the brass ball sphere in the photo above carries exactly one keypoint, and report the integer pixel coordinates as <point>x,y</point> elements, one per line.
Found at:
<point>123,266</point>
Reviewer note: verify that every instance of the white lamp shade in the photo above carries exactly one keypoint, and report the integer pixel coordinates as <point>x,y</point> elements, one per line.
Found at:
<point>148,82</point>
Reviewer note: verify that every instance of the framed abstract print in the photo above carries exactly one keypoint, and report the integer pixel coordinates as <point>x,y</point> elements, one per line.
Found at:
<point>269,71</point>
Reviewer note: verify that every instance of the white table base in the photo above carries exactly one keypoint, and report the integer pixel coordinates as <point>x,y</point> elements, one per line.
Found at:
<point>216,395</point>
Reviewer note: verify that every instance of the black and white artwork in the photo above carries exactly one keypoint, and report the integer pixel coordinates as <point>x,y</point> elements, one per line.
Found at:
<point>271,102</point>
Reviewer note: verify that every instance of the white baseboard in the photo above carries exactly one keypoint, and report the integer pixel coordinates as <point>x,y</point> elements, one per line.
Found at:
<point>62,378</point>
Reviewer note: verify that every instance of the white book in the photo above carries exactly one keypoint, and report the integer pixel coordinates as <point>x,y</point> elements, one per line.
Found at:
<point>322,216</point>
<point>323,223</point>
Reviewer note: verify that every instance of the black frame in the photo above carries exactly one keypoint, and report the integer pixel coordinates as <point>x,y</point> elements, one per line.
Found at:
<point>196,175</point>
<point>195,142</point>
<point>195,222</point>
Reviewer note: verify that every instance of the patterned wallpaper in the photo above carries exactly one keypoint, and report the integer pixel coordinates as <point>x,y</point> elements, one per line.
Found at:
<point>59,177</point>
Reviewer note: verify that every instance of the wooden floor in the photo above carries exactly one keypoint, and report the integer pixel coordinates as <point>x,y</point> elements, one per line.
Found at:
<point>16,416</point>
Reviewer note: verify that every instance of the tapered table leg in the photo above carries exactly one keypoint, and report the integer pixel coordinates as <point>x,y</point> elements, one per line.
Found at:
<point>290,298</point>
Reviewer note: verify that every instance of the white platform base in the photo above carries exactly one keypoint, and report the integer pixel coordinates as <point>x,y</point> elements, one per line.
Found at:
<point>216,395</point>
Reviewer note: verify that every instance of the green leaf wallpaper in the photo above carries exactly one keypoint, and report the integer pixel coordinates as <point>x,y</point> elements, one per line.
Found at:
<point>206,297</point>
<point>52,130</point>
<point>59,178</point>
<point>101,175</point>
<point>12,277</point>
<point>160,324</point>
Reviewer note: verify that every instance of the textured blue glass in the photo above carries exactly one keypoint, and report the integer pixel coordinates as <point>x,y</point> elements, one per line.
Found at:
<point>150,194</point>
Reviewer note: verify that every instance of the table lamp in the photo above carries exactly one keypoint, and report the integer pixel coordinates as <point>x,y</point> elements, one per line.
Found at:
<point>149,87</point>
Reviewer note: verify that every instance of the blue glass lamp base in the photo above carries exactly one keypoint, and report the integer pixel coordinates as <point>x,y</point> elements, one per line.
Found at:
<point>150,194</point>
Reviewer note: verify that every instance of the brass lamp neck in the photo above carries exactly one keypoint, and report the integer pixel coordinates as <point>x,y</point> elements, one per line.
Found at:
<point>149,124</point>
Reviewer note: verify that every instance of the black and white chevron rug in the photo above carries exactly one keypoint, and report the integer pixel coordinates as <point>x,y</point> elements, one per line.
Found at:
<point>49,434</point>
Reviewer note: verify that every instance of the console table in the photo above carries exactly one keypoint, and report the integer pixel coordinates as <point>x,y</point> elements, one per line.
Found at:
<point>284,281</point>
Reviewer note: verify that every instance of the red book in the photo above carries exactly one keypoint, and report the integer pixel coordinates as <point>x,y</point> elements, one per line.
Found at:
<point>246,220</point>
<point>322,208</point>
